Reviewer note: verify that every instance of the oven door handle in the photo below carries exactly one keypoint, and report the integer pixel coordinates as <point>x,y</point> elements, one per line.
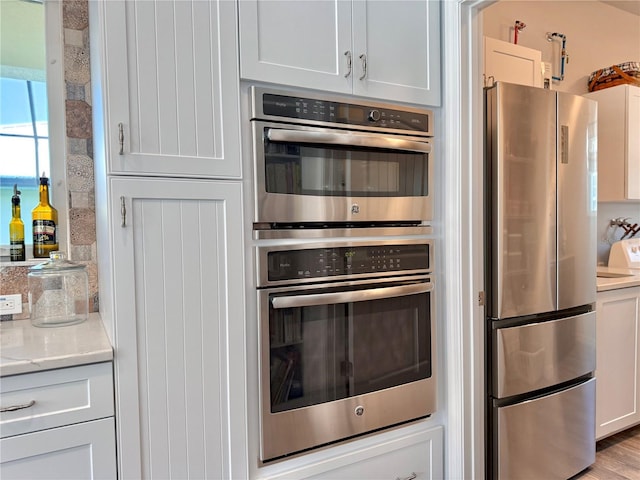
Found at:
<point>352,139</point>
<point>348,297</point>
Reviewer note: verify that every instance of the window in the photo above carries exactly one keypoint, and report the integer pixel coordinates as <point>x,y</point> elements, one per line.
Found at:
<point>31,101</point>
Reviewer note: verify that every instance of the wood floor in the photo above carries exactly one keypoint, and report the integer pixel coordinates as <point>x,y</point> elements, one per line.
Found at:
<point>617,458</point>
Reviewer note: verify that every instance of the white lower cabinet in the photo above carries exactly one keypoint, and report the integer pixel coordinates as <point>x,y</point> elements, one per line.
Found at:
<point>176,269</point>
<point>617,363</point>
<point>58,424</point>
<point>418,455</point>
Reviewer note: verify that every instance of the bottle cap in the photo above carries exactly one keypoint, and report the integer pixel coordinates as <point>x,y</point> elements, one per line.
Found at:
<point>15,200</point>
<point>44,180</point>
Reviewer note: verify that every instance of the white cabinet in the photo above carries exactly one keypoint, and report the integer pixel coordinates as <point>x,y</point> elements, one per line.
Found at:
<point>165,83</point>
<point>618,143</point>
<point>380,49</point>
<point>418,455</point>
<point>507,62</point>
<point>179,336</point>
<point>617,367</point>
<point>58,424</point>
<point>166,101</point>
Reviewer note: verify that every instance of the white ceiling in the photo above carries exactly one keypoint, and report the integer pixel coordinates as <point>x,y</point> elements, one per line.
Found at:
<point>631,6</point>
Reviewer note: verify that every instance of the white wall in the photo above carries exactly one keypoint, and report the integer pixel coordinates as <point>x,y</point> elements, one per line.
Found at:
<point>598,35</point>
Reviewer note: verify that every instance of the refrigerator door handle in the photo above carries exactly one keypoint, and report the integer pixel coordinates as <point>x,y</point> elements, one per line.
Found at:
<point>564,143</point>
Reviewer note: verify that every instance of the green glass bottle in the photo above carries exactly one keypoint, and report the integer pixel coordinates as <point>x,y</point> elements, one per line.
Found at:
<point>16,228</point>
<point>45,223</point>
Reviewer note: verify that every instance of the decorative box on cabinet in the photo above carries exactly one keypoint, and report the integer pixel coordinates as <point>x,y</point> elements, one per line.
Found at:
<point>58,424</point>
<point>617,368</point>
<point>387,50</point>
<point>165,87</point>
<point>618,143</point>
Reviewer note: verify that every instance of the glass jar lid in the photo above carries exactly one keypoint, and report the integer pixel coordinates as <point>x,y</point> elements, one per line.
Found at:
<point>57,263</point>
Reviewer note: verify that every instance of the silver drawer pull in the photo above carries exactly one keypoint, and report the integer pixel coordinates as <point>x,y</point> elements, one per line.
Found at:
<point>13,408</point>
<point>410,477</point>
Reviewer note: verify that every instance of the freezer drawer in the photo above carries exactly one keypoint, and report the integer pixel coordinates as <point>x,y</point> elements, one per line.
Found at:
<point>539,355</point>
<point>551,437</point>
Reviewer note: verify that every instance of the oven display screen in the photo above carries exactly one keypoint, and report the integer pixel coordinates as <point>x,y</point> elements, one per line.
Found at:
<point>328,262</point>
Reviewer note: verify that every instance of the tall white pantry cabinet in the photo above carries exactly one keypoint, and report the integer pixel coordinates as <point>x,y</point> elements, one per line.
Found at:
<point>170,243</point>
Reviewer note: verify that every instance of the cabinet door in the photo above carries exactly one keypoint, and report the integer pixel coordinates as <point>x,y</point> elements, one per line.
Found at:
<point>396,48</point>
<point>506,62</point>
<point>306,44</point>
<point>617,369</point>
<point>166,83</point>
<point>80,451</point>
<point>179,328</point>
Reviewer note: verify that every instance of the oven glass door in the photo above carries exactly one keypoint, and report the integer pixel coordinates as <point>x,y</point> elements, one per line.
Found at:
<point>331,164</point>
<point>330,344</point>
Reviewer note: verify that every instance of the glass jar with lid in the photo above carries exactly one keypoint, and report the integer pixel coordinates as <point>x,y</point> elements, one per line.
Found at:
<point>58,292</point>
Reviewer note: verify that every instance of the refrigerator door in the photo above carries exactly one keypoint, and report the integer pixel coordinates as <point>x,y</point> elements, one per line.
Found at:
<point>538,355</point>
<point>550,437</point>
<point>577,200</point>
<point>521,175</point>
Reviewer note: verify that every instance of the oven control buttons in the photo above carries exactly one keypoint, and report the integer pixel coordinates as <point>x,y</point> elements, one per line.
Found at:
<point>359,411</point>
<point>374,115</point>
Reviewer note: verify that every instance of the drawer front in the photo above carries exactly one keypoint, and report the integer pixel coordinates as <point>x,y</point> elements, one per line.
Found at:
<point>37,401</point>
<point>83,451</point>
<point>548,437</point>
<point>539,355</point>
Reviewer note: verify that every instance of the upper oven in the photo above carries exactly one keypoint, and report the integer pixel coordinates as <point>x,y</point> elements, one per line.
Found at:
<point>323,161</point>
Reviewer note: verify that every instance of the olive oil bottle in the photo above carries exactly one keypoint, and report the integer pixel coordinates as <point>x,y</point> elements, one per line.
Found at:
<point>16,228</point>
<point>45,223</point>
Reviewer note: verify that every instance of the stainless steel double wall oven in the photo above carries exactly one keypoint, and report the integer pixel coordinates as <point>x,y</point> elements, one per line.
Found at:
<point>343,200</point>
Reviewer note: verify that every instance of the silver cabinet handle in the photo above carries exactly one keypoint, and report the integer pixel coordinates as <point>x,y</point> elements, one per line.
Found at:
<point>363,59</point>
<point>13,408</point>
<point>346,297</point>
<point>348,55</point>
<point>123,212</point>
<point>410,477</point>
<point>351,139</point>
<point>121,137</point>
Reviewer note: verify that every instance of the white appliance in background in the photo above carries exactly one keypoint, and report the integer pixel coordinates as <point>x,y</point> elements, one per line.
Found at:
<point>625,254</point>
<point>540,186</point>
<point>508,62</point>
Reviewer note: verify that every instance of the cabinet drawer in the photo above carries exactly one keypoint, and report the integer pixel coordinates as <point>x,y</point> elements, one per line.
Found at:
<point>55,397</point>
<point>416,456</point>
<point>82,451</point>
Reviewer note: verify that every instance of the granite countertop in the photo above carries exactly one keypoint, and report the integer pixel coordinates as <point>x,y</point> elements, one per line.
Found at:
<point>25,348</point>
<point>620,278</point>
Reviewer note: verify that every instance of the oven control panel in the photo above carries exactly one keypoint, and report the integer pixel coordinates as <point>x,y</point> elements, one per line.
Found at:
<point>331,112</point>
<point>319,263</point>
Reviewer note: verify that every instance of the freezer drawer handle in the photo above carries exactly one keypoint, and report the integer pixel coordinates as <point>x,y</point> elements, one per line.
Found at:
<point>13,408</point>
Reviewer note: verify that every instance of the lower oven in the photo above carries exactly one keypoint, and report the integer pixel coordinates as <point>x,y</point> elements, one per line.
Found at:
<point>347,340</point>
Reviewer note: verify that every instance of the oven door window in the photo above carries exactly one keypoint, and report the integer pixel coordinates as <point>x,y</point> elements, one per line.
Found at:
<point>322,353</point>
<point>335,171</point>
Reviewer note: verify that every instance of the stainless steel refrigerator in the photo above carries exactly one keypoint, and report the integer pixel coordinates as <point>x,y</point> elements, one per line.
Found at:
<point>540,246</point>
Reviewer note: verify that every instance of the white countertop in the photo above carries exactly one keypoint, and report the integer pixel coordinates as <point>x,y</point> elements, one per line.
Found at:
<point>25,348</point>
<point>632,280</point>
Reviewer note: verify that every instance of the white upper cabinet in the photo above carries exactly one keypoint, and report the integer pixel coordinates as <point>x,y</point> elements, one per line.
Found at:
<point>168,81</point>
<point>381,49</point>
<point>618,143</point>
<point>507,62</point>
